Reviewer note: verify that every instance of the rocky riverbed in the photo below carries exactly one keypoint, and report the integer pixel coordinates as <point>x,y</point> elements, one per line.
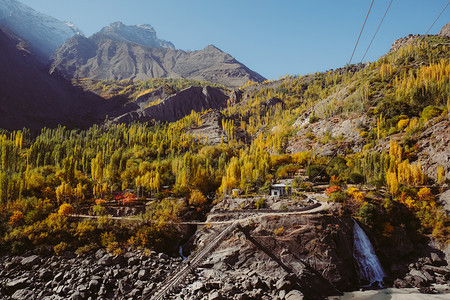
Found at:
<point>97,276</point>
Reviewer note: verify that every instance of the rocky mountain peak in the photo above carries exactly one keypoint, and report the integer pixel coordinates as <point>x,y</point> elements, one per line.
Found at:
<point>142,34</point>
<point>445,31</point>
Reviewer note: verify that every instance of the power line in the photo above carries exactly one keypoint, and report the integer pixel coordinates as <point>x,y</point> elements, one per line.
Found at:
<point>364,24</point>
<point>448,2</point>
<point>377,30</point>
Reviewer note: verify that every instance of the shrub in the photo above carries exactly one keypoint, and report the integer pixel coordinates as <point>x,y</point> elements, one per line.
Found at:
<point>356,178</point>
<point>369,214</point>
<point>197,198</point>
<point>315,170</point>
<point>260,203</point>
<point>65,209</point>
<point>332,189</point>
<point>17,218</point>
<point>98,210</point>
<point>402,124</point>
<point>60,248</point>
<point>107,238</point>
<point>279,231</point>
<point>86,249</point>
<point>430,112</point>
<point>339,197</point>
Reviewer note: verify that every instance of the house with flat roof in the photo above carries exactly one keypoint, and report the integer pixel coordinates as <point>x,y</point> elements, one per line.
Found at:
<point>280,189</point>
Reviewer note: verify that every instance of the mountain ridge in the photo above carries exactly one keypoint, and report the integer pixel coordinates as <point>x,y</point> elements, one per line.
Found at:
<point>115,53</point>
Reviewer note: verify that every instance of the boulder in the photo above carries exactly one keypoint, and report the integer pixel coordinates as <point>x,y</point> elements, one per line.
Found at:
<point>215,296</point>
<point>17,284</point>
<point>294,295</point>
<point>30,261</point>
<point>23,294</point>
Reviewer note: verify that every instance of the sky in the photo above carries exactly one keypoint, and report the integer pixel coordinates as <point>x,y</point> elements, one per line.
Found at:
<point>273,38</point>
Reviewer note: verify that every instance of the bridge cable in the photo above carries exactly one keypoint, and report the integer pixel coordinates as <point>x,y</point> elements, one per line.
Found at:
<point>381,22</point>
<point>360,33</point>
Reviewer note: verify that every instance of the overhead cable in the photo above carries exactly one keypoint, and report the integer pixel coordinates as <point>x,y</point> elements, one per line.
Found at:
<point>362,59</point>
<point>364,24</point>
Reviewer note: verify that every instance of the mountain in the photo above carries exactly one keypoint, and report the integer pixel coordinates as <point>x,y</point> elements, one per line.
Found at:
<point>126,52</point>
<point>172,108</point>
<point>45,33</point>
<point>144,35</point>
<point>32,98</point>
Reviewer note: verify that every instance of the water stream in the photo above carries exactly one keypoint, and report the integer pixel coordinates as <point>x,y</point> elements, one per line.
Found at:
<point>180,251</point>
<point>369,268</point>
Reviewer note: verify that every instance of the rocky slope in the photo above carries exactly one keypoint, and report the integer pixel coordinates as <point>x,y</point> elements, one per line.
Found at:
<point>116,53</point>
<point>171,108</point>
<point>31,98</point>
<point>96,276</point>
<point>44,32</point>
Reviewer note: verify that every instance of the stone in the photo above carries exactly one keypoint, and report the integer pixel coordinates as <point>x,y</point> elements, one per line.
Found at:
<point>76,296</point>
<point>106,260</point>
<point>436,259</point>
<point>294,295</point>
<point>163,256</point>
<point>100,253</point>
<point>283,284</point>
<point>215,296</point>
<point>17,284</point>
<point>257,283</point>
<point>439,270</point>
<point>400,284</point>
<point>124,287</point>
<point>22,295</point>
<point>31,261</point>
<point>197,286</point>
<point>143,275</point>
<point>94,286</point>
<point>417,273</point>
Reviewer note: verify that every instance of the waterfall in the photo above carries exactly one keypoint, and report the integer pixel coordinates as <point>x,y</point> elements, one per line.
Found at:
<point>180,251</point>
<point>369,267</point>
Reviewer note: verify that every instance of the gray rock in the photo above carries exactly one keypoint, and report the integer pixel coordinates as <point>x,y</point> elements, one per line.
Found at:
<point>59,277</point>
<point>124,287</point>
<point>445,31</point>
<point>143,275</point>
<point>76,296</point>
<point>294,295</point>
<point>100,253</point>
<point>106,260</point>
<point>400,284</point>
<point>435,258</point>
<point>417,273</point>
<point>197,286</point>
<point>94,286</point>
<point>163,256</point>
<point>215,296</point>
<point>17,284</point>
<point>30,261</point>
<point>283,284</point>
<point>23,294</point>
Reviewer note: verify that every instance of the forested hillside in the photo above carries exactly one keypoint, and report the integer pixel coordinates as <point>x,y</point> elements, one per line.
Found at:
<point>269,134</point>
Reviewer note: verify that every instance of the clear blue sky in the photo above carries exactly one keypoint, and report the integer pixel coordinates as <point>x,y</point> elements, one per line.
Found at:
<point>273,38</point>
